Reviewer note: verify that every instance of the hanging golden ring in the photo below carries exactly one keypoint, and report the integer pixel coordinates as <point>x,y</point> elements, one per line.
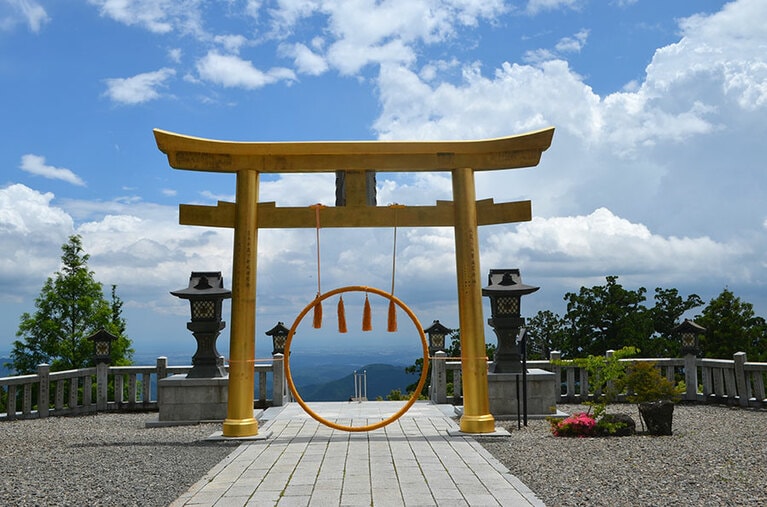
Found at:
<point>421,380</point>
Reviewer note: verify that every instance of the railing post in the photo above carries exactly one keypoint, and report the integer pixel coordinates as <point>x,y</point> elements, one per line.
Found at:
<point>162,368</point>
<point>43,390</point>
<point>102,383</point>
<point>439,378</point>
<point>278,380</point>
<point>691,377</point>
<point>740,378</point>
<point>554,357</point>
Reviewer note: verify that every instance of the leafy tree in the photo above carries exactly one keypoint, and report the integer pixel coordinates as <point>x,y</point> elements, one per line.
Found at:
<point>546,331</point>
<point>606,317</point>
<point>666,315</point>
<point>731,326</point>
<point>71,306</point>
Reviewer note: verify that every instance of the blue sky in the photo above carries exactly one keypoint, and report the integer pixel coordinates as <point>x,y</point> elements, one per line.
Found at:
<point>656,172</point>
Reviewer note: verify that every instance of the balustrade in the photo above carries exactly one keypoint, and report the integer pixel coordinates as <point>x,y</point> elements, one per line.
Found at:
<point>110,388</point>
<point>732,381</point>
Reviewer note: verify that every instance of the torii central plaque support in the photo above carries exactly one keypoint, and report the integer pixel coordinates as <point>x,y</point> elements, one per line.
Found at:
<point>248,160</point>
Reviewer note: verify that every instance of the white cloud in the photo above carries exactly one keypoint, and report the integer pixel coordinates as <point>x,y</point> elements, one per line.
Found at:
<point>573,44</point>
<point>538,6</point>
<point>231,43</point>
<point>139,88</point>
<point>28,11</point>
<point>232,71</point>
<point>31,231</point>
<point>35,164</point>
<point>602,243</point>
<point>306,60</point>
<point>157,16</point>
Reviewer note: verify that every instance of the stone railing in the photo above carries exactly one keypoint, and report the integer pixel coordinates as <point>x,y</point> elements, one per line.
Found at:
<point>111,388</point>
<point>734,381</point>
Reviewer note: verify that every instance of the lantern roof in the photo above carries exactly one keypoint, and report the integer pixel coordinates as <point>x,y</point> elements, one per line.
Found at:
<point>204,285</point>
<point>506,282</point>
<point>437,328</point>
<point>102,335</point>
<point>278,330</point>
<point>689,326</point>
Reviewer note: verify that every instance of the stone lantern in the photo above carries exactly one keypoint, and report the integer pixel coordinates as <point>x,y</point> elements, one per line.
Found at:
<point>505,290</point>
<point>437,333</point>
<point>102,346</point>
<point>206,294</point>
<point>690,333</point>
<point>279,334</point>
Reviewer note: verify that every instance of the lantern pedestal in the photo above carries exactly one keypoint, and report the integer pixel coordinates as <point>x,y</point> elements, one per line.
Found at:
<point>541,394</point>
<point>184,400</point>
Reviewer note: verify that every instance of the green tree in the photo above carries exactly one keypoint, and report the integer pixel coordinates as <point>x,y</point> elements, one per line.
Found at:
<point>71,306</point>
<point>731,326</point>
<point>666,315</point>
<point>606,317</point>
<point>546,331</point>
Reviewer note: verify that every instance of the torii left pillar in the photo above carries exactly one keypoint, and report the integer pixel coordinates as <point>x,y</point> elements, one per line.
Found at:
<point>239,420</point>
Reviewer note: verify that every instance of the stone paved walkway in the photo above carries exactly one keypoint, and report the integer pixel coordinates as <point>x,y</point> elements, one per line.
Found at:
<point>421,459</point>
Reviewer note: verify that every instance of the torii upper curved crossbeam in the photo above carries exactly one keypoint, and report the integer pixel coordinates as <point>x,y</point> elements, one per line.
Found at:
<point>198,154</point>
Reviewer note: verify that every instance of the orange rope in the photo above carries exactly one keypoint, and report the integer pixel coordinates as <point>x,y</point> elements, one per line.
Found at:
<point>317,320</point>
<point>391,325</point>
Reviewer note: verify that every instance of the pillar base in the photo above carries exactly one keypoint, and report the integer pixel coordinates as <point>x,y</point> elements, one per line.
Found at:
<point>240,427</point>
<point>477,423</point>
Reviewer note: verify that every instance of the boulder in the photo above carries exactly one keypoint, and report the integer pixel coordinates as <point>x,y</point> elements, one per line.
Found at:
<point>657,416</point>
<point>628,427</point>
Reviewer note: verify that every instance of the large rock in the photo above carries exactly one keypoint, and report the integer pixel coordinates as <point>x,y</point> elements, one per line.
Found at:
<point>657,416</point>
<point>628,424</point>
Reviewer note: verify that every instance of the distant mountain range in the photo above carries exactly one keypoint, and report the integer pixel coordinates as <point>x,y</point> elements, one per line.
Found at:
<point>381,380</point>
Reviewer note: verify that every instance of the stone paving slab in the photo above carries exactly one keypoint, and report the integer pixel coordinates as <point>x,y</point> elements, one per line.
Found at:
<point>421,459</point>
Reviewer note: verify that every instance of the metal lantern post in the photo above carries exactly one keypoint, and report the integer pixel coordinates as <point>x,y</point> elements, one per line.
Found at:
<point>436,333</point>
<point>102,346</point>
<point>505,290</point>
<point>206,294</point>
<point>690,333</point>
<point>279,334</point>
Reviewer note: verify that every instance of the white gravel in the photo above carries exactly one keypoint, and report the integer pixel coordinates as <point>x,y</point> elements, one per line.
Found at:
<point>104,460</point>
<point>716,456</point>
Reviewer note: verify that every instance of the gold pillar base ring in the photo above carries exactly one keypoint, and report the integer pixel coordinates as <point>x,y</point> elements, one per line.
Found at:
<point>240,428</point>
<point>478,424</point>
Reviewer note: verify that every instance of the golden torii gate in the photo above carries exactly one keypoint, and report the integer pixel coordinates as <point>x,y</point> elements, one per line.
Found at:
<point>246,215</point>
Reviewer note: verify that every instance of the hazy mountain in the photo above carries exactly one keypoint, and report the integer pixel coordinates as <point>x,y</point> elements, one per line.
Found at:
<point>381,380</point>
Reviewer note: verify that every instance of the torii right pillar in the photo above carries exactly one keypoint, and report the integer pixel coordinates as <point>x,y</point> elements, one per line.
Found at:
<point>476,410</point>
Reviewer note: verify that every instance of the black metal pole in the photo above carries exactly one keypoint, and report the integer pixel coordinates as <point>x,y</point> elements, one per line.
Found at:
<point>523,348</point>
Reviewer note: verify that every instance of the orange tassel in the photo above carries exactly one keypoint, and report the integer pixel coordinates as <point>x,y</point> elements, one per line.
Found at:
<point>391,324</point>
<point>318,314</point>
<point>367,318</point>
<point>341,316</point>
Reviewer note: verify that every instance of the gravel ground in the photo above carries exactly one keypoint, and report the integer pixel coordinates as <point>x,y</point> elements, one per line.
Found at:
<point>716,456</point>
<point>104,460</point>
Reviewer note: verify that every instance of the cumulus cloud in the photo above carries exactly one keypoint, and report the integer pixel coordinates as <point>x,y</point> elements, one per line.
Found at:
<point>139,88</point>
<point>233,72</point>
<point>35,164</point>
<point>31,231</point>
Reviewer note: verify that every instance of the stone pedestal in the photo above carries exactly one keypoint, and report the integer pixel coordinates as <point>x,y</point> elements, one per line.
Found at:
<point>184,400</point>
<point>541,393</point>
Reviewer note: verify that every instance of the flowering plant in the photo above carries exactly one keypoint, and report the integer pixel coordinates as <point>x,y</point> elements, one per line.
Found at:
<point>580,425</point>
